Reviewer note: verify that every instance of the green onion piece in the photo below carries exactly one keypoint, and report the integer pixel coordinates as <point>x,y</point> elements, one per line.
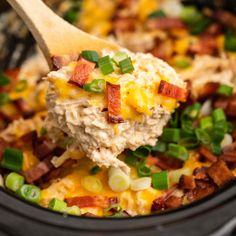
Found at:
<point>14,181</point>
<point>43,131</point>
<point>119,56</point>
<point>218,136</point>
<point>130,158</point>
<point>170,135</point>
<point>200,27</point>
<point>182,63</point>
<point>157,14</point>
<point>230,41</point>
<point>190,15</point>
<point>187,127</point>
<point>57,205</point>
<point>30,193</point>
<point>4,98</point>
<point>230,126</point>
<point>225,90</point>
<point>73,210</point>
<point>143,170</point>
<point>174,120</point>
<point>105,65</point>
<point>203,136</point>
<point>221,126</point>
<point>90,55</point>
<point>21,85</point>
<point>216,148</point>
<point>160,180</point>
<point>4,80</point>
<point>72,14</point>
<point>112,207</point>
<point>95,170</point>
<point>12,159</point>
<point>189,142</point>
<point>192,111</point>
<point>177,151</point>
<point>96,86</point>
<point>126,66</point>
<point>159,147</point>
<point>206,123</point>
<point>92,184</point>
<point>218,115</point>
<point>142,151</point>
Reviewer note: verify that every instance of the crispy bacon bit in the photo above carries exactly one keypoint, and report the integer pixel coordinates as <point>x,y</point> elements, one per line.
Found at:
<point>207,154</point>
<point>13,75</point>
<point>231,109</point>
<point>60,61</point>
<point>173,202</point>
<point>89,201</point>
<point>187,182</point>
<point>221,103</point>
<point>158,204</point>
<point>226,18</point>
<point>208,90</point>
<point>43,148</point>
<point>82,72</point>
<point>24,108</point>
<point>26,140</point>
<point>151,161</point>
<point>173,91</point>
<point>165,23</point>
<point>214,29</point>
<point>166,163</point>
<point>113,103</point>
<point>38,171</point>
<point>161,50</point>
<point>124,24</point>
<point>220,173</point>
<point>201,174</point>
<point>229,157</point>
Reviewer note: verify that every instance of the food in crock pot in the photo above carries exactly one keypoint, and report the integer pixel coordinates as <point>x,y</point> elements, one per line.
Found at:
<point>193,157</point>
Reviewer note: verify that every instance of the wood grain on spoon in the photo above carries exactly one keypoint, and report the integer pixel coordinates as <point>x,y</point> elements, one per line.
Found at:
<point>55,36</point>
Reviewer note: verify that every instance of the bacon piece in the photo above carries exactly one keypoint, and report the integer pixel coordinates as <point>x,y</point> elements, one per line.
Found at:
<point>231,108</point>
<point>43,148</point>
<point>13,75</point>
<point>208,90</point>
<point>151,161</point>
<point>220,173</point>
<point>168,163</point>
<point>164,23</point>
<point>207,154</point>
<point>82,71</point>
<point>89,201</point>
<point>26,140</point>
<point>124,24</point>
<point>201,174</point>
<point>173,202</point>
<point>24,108</point>
<point>173,91</point>
<point>229,157</point>
<point>187,182</point>
<point>38,171</point>
<point>161,50</point>
<point>221,103</point>
<point>214,29</point>
<point>226,18</point>
<point>113,103</point>
<point>60,61</point>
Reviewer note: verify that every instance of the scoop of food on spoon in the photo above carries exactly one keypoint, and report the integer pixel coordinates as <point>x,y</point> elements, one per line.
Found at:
<point>102,97</point>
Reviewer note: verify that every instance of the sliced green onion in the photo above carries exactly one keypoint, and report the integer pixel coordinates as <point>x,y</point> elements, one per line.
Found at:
<point>170,135</point>
<point>94,170</point>
<point>190,15</point>
<point>189,142</point>
<point>174,175</point>
<point>12,159</point>
<point>30,193</point>
<point>230,126</point>
<point>160,146</point>
<point>206,123</point>
<point>143,170</point>
<point>126,66</point>
<point>14,181</point>
<point>92,184</point>
<point>218,136</point>
<point>174,120</point>
<point>160,180</point>
<point>142,151</point>
<point>90,55</point>
<point>141,184</point>
<point>221,126</point>
<point>119,56</point>
<point>182,63</point>
<point>118,181</point>
<point>203,136</point>
<point>21,86</point>
<point>216,148</point>
<point>225,90</point>
<point>192,111</point>
<point>230,41</point>
<point>73,210</point>
<point>187,127</point>
<point>112,207</point>
<point>105,65</point>
<point>177,151</point>
<point>218,115</point>
<point>72,14</point>
<point>57,205</point>
<point>96,86</point>
<point>4,80</point>
<point>4,98</point>
<point>157,14</point>
<point>43,131</point>
<point>200,26</point>
<point>130,158</point>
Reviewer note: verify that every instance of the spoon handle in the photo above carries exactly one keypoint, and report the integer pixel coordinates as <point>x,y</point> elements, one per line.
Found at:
<point>54,35</point>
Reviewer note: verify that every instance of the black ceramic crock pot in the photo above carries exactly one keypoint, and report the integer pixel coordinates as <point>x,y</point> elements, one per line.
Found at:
<point>212,216</point>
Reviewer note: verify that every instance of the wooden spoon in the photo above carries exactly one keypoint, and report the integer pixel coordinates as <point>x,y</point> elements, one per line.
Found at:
<point>55,36</point>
